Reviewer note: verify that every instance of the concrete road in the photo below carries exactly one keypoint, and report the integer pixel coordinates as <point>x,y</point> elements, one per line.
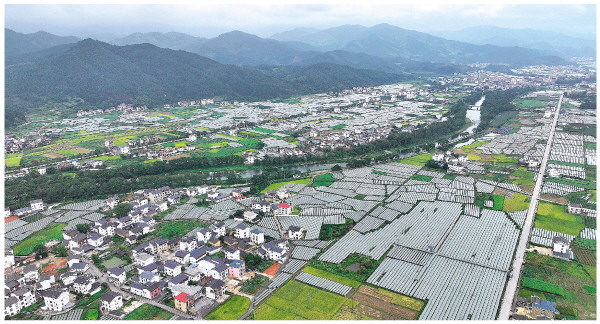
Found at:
<point>512,284</point>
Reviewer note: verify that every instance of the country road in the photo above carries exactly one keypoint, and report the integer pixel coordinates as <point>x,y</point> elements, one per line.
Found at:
<point>103,278</point>
<point>512,284</point>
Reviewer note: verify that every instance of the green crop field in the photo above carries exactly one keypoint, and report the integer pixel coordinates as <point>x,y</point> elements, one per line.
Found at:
<point>338,126</point>
<point>543,286</point>
<point>516,203</point>
<point>498,202</point>
<point>570,276</point>
<point>554,217</point>
<point>296,299</point>
<point>324,180</point>
<point>148,312</point>
<point>13,160</point>
<point>278,185</point>
<point>264,130</point>
<point>331,276</point>
<point>232,309</point>
<point>577,183</point>
<point>51,232</point>
<point>418,160</point>
<point>468,148</point>
<point>419,177</point>
<point>530,103</point>
<point>106,157</point>
<point>524,178</point>
<point>176,229</point>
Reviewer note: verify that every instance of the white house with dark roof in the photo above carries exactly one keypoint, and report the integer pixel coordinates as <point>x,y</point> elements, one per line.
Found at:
<point>31,273</point>
<point>37,205</point>
<point>250,216</point>
<point>111,301</point>
<point>219,229</point>
<point>56,300</point>
<point>172,268</point>
<point>231,253</point>
<point>295,232</point>
<point>26,296</point>
<point>11,306</point>
<point>117,274</point>
<point>182,256</point>
<point>203,235</point>
<point>143,259</point>
<point>257,236</point>
<point>242,231</point>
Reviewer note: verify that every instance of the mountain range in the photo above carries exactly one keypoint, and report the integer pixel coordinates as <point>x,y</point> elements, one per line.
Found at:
<point>103,74</point>
<point>157,68</point>
<point>549,42</point>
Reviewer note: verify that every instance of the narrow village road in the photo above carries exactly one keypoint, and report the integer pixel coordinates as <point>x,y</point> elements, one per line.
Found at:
<point>512,284</point>
<point>103,278</point>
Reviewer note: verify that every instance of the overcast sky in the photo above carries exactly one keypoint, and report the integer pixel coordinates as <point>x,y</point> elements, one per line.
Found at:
<point>265,19</point>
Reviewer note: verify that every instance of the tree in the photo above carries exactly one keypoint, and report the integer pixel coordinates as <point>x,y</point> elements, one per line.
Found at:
<point>60,250</point>
<point>83,228</point>
<point>122,209</point>
<point>336,167</point>
<point>238,214</point>
<point>253,261</point>
<point>40,252</point>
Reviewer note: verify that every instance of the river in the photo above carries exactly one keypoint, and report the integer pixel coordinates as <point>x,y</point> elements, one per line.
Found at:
<point>475,117</point>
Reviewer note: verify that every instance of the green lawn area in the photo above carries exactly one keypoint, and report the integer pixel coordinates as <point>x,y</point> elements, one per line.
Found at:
<point>573,277</point>
<point>231,309</point>
<point>153,160</point>
<point>324,180</point>
<point>264,130</point>
<point>298,300</point>
<point>338,126</point>
<point>360,197</point>
<point>51,232</point>
<point>148,312</point>
<point>554,217</point>
<point>421,178</point>
<point>113,262</point>
<point>516,203</point>
<point>278,185</point>
<point>418,160</point>
<point>331,276</point>
<point>253,285</point>
<point>566,163</point>
<point>449,176</point>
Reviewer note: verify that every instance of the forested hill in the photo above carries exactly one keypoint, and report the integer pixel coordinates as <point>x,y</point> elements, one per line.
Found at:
<point>103,74</point>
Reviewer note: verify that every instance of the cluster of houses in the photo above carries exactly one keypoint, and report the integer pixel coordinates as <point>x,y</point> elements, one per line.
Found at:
<point>125,108</point>
<point>20,144</point>
<point>26,288</point>
<point>195,266</point>
<point>192,103</point>
<point>455,162</point>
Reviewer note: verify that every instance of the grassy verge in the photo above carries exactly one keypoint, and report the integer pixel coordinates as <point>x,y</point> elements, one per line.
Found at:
<point>278,185</point>
<point>418,160</point>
